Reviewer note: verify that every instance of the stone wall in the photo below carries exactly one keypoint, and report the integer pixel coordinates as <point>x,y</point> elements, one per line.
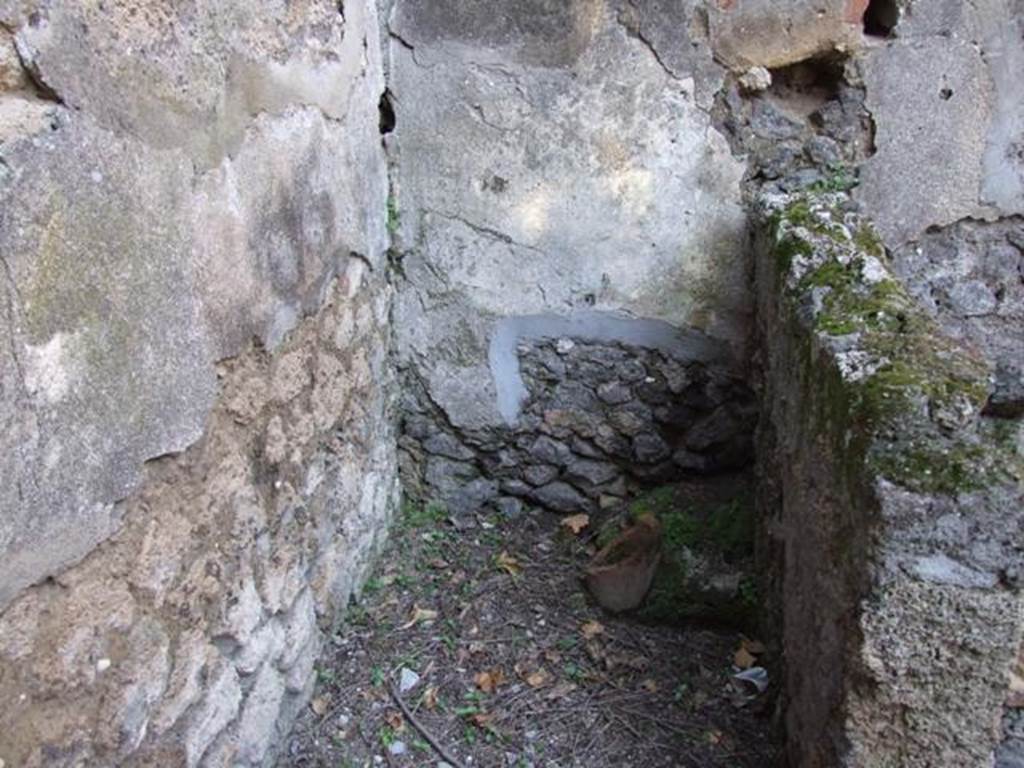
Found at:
<point>945,188</point>
<point>892,547</point>
<point>196,427</point>
<point>947,105</point>
<point>196,440</point>
<point>189,637</point>
<point>597,423</point>
<point>548,162</point>
<point>558,175</point>
<point>969,276</point>
<point>897,507</point>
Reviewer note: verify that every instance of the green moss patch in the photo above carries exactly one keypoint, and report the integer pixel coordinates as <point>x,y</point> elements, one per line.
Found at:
<point>910,406</point>
<point>707,550</point>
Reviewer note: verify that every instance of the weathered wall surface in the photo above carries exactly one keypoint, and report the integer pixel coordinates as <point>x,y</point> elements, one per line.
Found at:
<point>189,637</point>
<point>548,162</point>
<point>948,105</point>
<point>970,277</point>
<point>599,421</point>
<point>945,187</point>
<point>193,236</point>
<point>552,163</point>
<point>195,426</point>
<point>899,511</point>
<point>131,265</point>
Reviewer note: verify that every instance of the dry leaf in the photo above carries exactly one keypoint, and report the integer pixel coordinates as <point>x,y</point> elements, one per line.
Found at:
<point>754,647</point>
<point>576,523</point>
<point>490,680</point>
<point>483,720</point>
<point>595,651</point>
<point>1016,698</point>
<point>650,685</point>
<point>591,629</point>
<point>1016,682</point>
<point>483,681</point>
<point>439,564</point>
<point>395,720</point>
<point>418,615</point>
<point>743,658</point>
<point>320,705</point>
<point>537,679</point>
<point>509,564</point>
<point>429,698</point>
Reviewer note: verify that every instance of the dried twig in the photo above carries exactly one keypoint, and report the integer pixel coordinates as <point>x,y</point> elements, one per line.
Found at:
<point>427,735</point>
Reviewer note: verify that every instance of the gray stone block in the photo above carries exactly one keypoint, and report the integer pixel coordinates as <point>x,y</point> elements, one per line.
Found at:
<point>590,472</point>
<point>560,497</point>
<point>650,448</point>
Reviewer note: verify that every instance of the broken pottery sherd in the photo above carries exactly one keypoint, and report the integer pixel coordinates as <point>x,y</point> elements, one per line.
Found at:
<point>619,575</point>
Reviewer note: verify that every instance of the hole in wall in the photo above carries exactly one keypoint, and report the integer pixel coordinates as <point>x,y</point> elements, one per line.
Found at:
<point>818,79</point>
<point>387,113</point>
<point>881,18</point>
<point>801,89</point>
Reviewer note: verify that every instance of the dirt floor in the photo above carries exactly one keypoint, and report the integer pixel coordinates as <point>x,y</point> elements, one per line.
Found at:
<point>476,644</point>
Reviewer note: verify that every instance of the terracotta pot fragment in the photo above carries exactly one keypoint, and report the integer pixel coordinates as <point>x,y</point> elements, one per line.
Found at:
<point>620,574</point>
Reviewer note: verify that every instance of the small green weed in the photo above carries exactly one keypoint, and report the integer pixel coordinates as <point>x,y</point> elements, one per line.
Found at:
<point>422,515</point>
<point>377,677</point>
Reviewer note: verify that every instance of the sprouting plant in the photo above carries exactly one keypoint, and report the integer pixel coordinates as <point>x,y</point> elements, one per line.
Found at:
<point>416,515</point>
<point>573,672</point>
<point>839,179</point>
<point>377,677</point>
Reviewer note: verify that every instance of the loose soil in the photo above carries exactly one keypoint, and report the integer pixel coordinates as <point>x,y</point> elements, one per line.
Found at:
<point>517,667</point>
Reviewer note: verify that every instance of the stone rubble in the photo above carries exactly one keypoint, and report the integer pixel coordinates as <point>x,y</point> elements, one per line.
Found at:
<point>600,421</point>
